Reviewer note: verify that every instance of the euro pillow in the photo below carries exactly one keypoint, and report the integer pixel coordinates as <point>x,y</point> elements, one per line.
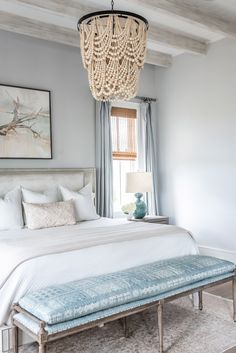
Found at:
<point>30,196</point>
<point>83,202</point>
<point>11,211</point>
<point>46,215</point>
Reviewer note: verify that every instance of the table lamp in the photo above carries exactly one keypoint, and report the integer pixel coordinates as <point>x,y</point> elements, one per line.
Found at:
<point>139,182</point>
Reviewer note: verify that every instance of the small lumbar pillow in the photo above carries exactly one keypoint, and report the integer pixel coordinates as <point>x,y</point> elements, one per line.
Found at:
<point>11,211</point>
<point>83,201</point>
<point>51,214</point>
<point>30,196</point>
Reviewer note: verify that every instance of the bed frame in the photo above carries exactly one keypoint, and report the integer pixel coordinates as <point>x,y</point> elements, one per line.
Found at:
<point>40,180</point>
<point>43,179</point>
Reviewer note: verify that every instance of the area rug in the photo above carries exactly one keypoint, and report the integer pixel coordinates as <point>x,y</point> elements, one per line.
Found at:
<point>186,330</point>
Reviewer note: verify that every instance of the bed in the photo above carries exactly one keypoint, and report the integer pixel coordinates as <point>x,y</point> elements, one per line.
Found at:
<point>32,259</point>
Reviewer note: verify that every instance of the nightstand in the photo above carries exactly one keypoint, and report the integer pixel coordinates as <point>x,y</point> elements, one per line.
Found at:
<point>153,219</point>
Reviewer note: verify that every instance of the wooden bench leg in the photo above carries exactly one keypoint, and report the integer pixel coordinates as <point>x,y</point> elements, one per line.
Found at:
<point>14,333</point>
<point>234,298</point>
<point>125,326</point>
<point>200,303</point>
<point>15,343</point>
<point>160,325</point>
<point>127,332</point>
<point>42,348</point>
<point>42,337</point>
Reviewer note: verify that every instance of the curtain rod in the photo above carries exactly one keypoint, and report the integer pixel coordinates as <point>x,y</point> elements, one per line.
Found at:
<point>146,99</point>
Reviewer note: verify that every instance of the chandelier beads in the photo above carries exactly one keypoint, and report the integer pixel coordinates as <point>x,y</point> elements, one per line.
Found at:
<point>113,48</point>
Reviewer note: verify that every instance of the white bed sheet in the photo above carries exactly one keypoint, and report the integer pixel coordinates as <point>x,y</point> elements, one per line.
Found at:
<point>73,265</point>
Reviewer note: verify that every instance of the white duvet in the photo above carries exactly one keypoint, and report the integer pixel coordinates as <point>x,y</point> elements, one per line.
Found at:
<point>30,260</point>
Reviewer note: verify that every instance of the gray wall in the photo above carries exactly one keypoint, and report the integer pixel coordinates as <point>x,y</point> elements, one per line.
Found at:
<point>29,62</point>
<point>197,144</point>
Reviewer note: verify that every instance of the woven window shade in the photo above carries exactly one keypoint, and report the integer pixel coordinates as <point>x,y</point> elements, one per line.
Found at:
<point>123,127</point>
<point>123,112</point>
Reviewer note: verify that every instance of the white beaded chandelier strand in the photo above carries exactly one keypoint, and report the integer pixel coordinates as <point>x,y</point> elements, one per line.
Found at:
<point>113,49</point>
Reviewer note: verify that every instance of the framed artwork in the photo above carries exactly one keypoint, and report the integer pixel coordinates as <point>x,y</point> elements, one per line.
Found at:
<point>25,123</point>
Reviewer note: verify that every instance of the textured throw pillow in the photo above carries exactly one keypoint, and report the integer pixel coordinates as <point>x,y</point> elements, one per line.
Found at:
<point>47,215</point>
<point>11,211</point>
<point>30,196</point>
<point>83,201</point>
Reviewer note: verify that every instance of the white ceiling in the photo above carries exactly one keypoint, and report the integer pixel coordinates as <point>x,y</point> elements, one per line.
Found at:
<point>221,8</point>
<point>199,21</point>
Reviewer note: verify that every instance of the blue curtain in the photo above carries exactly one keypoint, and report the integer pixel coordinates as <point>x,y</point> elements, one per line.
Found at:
<point>148,142</point>
<point>104,177</point>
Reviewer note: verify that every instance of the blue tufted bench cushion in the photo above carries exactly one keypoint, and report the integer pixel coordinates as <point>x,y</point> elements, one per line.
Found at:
<point>79,302</point>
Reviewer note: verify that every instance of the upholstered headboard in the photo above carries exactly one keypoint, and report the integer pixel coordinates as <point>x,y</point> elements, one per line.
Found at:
<point>43,179</point>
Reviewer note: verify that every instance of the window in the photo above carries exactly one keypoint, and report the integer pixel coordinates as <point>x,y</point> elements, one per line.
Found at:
<point>124,152</point>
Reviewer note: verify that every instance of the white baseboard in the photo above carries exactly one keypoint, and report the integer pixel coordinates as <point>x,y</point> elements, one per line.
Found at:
<point>221,253</point>
<point>5,339</point>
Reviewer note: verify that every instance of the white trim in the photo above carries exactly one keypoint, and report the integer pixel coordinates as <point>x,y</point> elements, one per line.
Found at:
<point>5,339</point>
<point>229,349</point>
<point>117,213</point>
<point>221,253</point>
<point>126,104</point>
<point>218,296</point>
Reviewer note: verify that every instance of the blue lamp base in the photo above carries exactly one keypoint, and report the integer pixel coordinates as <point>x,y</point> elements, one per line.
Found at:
<point>141,208</point>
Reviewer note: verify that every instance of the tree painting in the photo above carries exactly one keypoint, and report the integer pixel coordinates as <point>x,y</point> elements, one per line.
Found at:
<point>25,123</point>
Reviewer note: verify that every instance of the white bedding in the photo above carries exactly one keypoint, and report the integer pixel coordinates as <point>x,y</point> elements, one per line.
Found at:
<point>34,259</point>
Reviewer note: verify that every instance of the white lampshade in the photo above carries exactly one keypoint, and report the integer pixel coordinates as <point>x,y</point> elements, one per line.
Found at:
<point>139,182</point>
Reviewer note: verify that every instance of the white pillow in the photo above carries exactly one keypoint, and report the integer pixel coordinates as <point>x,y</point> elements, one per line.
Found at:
<point>11,211</point>
<point>53,214</point>
<point>83,201</point>
<point>30,196</point>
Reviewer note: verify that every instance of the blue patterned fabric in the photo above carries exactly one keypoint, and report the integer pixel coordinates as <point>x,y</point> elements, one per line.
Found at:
<point>76,299</point>
<point>63,326</point>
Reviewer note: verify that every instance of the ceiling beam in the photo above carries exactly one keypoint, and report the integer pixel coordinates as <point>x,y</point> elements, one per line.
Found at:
<point>163,60</point>
<point>54,33</point>
<point>191,15</point>
<point>157,34</point>
<point>38,29</point>
<point>176,40</point>
<point>74,9</point>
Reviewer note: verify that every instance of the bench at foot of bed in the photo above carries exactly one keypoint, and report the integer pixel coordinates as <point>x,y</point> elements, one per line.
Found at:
<point>62,310</point>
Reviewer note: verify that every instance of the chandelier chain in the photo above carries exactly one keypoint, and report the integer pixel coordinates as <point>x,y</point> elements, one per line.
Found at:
<point>112,5</point>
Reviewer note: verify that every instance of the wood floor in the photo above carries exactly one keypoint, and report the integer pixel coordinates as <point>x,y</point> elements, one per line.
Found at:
<point>232,350</point>
<point>223,290</point>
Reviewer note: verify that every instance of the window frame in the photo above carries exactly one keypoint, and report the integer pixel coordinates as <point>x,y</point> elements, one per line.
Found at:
<point>130,114</point>
<point>127,105</point>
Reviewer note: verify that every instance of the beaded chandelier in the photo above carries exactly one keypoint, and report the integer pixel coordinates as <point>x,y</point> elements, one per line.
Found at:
<point>113,48</point>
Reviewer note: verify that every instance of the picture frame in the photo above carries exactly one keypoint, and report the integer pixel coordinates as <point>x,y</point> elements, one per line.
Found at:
<point>25,123</point>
